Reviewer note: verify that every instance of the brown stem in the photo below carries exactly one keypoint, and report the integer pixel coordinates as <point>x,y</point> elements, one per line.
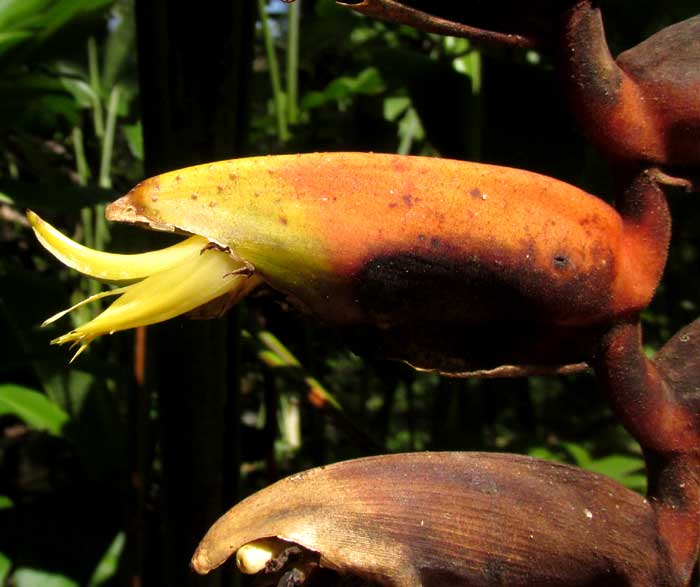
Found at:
<point>646,232</point>
<point>656,411</point>
<point>393,11</point>
<point>608,103</point>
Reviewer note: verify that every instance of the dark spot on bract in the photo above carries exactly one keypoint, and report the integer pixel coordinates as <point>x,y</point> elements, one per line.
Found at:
<point>408,200</point>
<point>435,242</point>
<point>475,192</point>
<point>393,205</point>
<point>194,196</point>
<point>283,220</point>
<point>560,261</point>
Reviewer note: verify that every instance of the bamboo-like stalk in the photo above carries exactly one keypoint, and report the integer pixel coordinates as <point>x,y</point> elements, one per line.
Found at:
<point>294,18</point>
<point>203,77</point>
<point>94,78</point>
<point>275,78</point>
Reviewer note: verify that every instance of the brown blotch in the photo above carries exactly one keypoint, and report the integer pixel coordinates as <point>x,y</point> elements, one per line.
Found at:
<point>220,189</point>
<point>560,261</point>
<point>475,192</point>
<point>212,204</point>
<point>154,198</point>
<point>178,178</point>
<point>283,220</point>
<point>392,204</point>
<point>232,176</point>
<point>408,200</point>
<point>194,196</point>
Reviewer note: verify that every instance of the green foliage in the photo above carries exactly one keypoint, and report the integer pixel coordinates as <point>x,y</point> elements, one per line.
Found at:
<point>71,139</point>
<point>32,407</point>
<point>28,577</point>
<point>33,21</point>
<point>108,565</point>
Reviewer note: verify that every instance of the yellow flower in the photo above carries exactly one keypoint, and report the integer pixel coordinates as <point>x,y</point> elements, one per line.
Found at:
<point>168,282</point>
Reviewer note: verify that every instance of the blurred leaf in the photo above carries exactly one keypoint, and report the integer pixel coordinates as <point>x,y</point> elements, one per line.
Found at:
<point>10,39</point>
<point>34,408</point>
<point>134,139</point>
<point>44,196</point>
<point>579,454</point>
<point>617,466</point>
<point>108,566</point>
<point>5,566</point>
<point>74,82</point>
<point>25,577</point>
<point>36,20</point>
<point>5,503</point>
<point>368,81</point>
<point>120,43</point>
<point>620,468</point>
<point>14,12</point>
<point>541,452</point>
<point>395,106</point>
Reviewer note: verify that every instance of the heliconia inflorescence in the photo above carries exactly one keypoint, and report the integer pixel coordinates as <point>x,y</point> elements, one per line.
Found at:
<point>448,265</point>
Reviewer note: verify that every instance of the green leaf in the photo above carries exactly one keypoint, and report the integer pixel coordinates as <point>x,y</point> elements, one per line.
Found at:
<point>5,504</point>
<point>368,82</point>
<point>395,107</point>
<point>542,452</point>
<point>15,12</point>
<point>52,197</point>
<point>580,455</point>
<point>26,577</point>
<point>37,410</point>
<point>5,566</point>
<point>11,38</point>
<point>120,43</point>
<point>35,20</point>
<point>108,565</point>
<point>617,466</point>
<point>134,139</point>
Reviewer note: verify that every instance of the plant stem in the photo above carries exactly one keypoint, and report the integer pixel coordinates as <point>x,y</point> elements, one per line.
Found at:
<point>277,355</point>
<point>80,159</point>
<point>273,65</point>
<point>94,74</point>
<point>105,181</point>
<point>407,138</point>
<point>108,139</point>
<point>474,69</point>
<point>294,15</point>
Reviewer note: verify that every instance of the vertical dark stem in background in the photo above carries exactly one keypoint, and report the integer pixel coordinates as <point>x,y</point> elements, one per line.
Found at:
<point>194,63</point>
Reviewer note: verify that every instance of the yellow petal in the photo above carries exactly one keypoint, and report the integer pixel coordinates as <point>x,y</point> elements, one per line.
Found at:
<point>167,294</point>
<point>93,298</point>
<point>110,266</point>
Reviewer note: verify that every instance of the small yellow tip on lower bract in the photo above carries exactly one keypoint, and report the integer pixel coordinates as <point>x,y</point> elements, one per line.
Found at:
<point>253,557</point>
